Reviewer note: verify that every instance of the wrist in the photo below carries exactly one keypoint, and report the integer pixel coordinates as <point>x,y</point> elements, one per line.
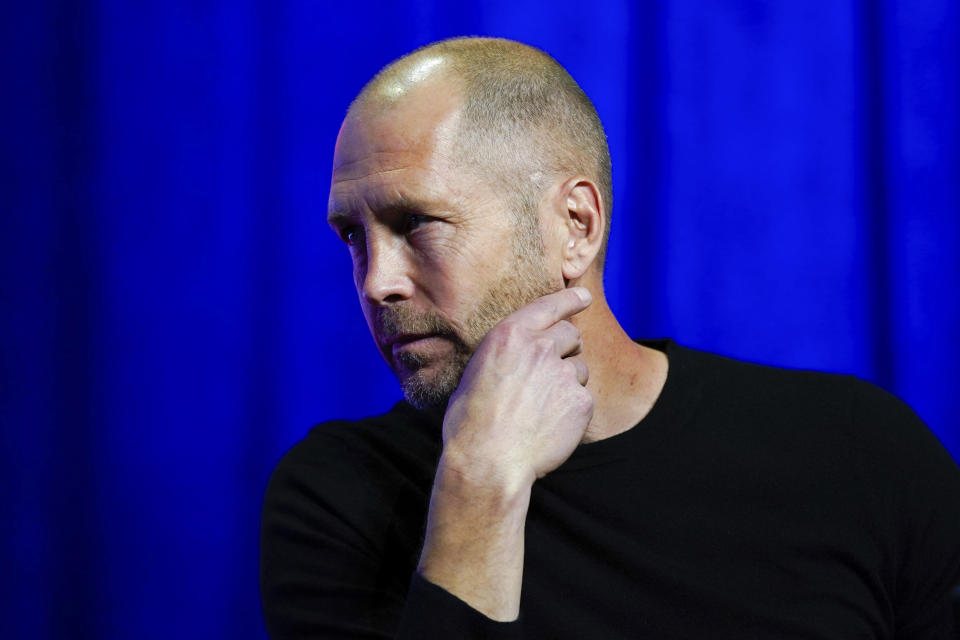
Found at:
<point>501,488</point>
<point>474,539</point>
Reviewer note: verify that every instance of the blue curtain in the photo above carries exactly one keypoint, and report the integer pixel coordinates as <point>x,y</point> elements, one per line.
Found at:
<point>175,313</point>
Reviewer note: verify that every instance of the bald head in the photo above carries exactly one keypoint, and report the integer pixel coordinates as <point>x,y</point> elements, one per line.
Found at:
<point>523,121</point>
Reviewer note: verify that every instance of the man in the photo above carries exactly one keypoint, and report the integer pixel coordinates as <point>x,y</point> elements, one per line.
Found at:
<point>549,477</point>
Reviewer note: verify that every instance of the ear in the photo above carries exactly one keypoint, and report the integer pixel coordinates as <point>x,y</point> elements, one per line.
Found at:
<point>584,225</point>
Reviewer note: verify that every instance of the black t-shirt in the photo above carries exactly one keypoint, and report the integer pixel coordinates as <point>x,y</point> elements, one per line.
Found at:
<point>751,502</point>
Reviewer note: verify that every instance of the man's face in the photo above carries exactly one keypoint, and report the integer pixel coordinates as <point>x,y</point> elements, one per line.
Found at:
<point>438,257</point>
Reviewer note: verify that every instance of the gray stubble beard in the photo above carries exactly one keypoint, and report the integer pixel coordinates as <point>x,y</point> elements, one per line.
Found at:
<point>527,279</point>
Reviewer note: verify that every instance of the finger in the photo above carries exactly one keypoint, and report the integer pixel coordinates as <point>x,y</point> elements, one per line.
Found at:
<point>583,373</point>
<point>544,312</point>
<point>566,338</point>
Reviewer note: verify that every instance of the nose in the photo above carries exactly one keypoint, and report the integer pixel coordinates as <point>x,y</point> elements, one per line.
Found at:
<point>387,271</point>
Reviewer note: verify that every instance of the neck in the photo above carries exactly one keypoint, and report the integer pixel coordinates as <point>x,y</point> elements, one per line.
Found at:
<point>625,377</point>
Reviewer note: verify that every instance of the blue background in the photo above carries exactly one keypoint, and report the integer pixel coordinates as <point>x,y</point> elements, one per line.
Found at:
<point>175,313</point>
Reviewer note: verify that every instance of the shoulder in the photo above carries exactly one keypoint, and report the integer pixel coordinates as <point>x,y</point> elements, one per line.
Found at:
<point>866,431</point>
<point>746,390</point>
<point>350,490</point>
<point>342,516</point>
<point>864,456</point>
<point>401,428</point>
<point>352,472</point>
<point>399,442</point>
<point>810,407</point>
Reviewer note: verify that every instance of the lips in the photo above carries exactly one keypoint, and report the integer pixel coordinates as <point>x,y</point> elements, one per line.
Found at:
<point>400,341</point>
<point>410,350</point>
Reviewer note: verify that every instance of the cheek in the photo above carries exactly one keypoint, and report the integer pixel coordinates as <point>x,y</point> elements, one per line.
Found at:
<point>359,275</point>
<point>358,264</point>
<point>443,265</point>
<point>451,290</point>
<point>556,241</point>
<point>452,262</point>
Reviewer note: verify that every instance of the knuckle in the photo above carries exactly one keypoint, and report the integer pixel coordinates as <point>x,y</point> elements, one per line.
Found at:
<point>494,342</point>
<point>542,346</point>
<point>511,330</point>
<point>583,401</point>
<point>504,333</point>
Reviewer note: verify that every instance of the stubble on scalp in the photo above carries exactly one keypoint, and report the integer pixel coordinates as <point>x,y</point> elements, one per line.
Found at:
<point>525,121</point>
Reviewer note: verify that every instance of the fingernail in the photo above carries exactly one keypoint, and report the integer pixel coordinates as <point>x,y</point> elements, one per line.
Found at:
<point>584,294</point>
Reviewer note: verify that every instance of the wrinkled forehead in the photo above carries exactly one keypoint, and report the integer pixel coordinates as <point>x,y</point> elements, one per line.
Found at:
<point>402,153</point>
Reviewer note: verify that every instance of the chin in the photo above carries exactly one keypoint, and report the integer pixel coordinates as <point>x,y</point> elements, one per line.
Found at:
<point>426,389</point>
<point>426,396</point>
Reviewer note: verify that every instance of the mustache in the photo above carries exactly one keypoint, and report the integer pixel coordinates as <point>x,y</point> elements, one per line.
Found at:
<point>400,320</point>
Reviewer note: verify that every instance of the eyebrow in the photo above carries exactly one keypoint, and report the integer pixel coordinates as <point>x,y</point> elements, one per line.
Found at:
<point>400,204</point>
<point>338,218</point>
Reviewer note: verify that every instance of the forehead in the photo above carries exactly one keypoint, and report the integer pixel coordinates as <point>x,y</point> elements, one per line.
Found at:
<point>385,152</point>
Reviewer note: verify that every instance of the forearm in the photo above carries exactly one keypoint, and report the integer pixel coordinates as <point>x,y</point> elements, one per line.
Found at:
<point>520,410</point>
<point>474,540</point>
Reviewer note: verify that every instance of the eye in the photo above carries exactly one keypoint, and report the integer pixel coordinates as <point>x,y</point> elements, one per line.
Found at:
<point>352,235</point>
<point>414,221</point>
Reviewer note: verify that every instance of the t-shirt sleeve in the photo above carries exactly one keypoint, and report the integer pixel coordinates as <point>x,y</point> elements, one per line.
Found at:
<point>433,612</point>
<point>324,572</point>
<point>919,484</point>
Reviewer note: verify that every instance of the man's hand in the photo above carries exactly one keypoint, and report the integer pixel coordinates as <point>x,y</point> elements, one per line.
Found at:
<point>519,412</point>
<point>522,407</point>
